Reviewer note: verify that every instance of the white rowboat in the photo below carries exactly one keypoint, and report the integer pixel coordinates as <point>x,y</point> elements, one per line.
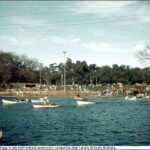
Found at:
<point>36,101</point>
<point>45,106</point>
<point>85,102</point>
<point>4,101</point>
<point>130,98</point>
<point>78,98</point>
<point>9,101</point>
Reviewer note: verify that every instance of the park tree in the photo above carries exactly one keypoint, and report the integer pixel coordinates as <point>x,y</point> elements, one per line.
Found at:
<point>106,74</point>
<point>6,61</point>
<point>54,74</point>
<point>19,68</point>
<point>92,71</point>
<point>70,71</point>
<point>46,75</point>
<point>144,55</point>
<point>81,71</point>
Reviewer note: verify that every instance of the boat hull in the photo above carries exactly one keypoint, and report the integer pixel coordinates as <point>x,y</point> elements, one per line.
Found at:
<point>36,101</point>
<point>130,98</point>
<point>85,102</point>
<point>45,106</point>
<point>8,102</point>
<point>78,98</point>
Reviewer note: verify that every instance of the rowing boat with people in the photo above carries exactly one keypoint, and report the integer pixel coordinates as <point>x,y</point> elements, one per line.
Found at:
<point>82,101</point>
<point>45,103</point>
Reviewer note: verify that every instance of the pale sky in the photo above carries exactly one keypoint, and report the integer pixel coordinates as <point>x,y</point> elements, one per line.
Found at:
<point>100,32</point>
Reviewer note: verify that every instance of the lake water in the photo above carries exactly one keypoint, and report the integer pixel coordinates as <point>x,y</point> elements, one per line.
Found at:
<point>112,121</point>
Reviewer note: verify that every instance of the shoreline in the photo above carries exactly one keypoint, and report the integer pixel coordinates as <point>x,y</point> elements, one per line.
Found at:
<point>55,94</point>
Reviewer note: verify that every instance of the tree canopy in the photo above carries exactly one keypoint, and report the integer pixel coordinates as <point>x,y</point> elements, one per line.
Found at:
<point>14,69</point>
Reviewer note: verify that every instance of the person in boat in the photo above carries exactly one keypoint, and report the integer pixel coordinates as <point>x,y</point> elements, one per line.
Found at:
<point>16,99</point>
<point>46,101</point>
<point>83,99</point>
<point>78,95</point>
<point>27,100</point>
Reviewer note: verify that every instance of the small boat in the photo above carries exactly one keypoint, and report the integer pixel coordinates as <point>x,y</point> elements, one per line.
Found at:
<point>40,100</point>
<point>140,96</point>
<point>45,106</point>
<point>26,100</point>
<point>36,101</point>
<point>9,101</point>
<point>78,98</point>
<point>15,101</point>
<point>85,102</point>
<point>130,98</point>
<point>147,97</point>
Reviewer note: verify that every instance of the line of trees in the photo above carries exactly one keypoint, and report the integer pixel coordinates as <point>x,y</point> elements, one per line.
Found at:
<point>21,69</point>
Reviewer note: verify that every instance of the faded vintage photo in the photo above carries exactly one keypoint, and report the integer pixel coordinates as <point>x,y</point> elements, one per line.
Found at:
<point>74,73</point>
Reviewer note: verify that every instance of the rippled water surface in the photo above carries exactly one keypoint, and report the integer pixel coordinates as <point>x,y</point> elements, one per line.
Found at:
<point>109,122</point>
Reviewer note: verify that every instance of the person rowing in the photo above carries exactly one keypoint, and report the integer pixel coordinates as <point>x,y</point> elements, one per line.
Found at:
<point>46,100</point>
